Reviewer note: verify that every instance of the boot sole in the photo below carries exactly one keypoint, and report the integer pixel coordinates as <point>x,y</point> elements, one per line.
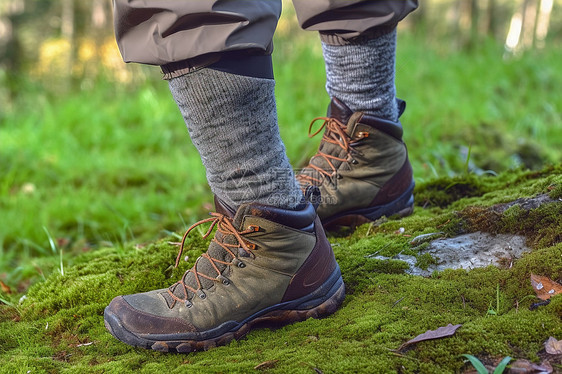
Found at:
<point>402,206</point>
<point>320,303</point>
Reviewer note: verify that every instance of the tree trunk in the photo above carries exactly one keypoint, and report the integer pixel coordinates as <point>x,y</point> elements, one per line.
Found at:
<point>13,58</point>
<point>474,23</point>
<point>492,18</point>
<point>99,16</point>
<point>67,33</point>
<point>529,19</point>
<point>543,22</point>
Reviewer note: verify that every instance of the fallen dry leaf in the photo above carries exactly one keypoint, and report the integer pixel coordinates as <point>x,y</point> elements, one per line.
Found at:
<point>5,288</point>
<point>544,287</point>
<point>441,332</point>
<point>553,346</point>
<point>527,367</point>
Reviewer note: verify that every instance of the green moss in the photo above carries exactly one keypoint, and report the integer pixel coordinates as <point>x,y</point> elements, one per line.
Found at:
<point>444,191</point>
<point>425,260</point>
<point>486,190</point>
<point>540,225</point>
<point>52,329</point>
<point>556,192</point>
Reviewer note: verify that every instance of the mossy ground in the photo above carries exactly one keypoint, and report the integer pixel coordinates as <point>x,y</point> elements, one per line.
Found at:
<point>59,326</point>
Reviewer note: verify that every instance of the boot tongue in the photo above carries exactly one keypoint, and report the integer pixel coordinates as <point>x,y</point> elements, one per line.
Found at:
<point>222,208</point>
<point>339,110</point>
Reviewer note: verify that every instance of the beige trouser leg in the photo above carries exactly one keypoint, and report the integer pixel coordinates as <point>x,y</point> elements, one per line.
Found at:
<point>162,32</point>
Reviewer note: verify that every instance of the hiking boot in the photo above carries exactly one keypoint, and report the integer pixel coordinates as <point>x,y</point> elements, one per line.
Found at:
<point>361,168</point>
<point>265,266</point>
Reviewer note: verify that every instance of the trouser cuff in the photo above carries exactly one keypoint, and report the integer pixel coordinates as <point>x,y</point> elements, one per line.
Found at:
<point>339,39</point>
<point>179,68</point>
<point>241,62</point>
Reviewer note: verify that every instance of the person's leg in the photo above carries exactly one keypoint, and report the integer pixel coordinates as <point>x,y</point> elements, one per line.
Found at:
<point>362,166</point>
<point>269,259</point>
<point>232,121</point>
<point>361,74</point>
<point>229,108</point>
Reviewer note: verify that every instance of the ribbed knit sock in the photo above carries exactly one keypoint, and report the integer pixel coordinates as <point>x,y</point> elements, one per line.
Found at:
<point>232,121</point>
<point>361,74</point>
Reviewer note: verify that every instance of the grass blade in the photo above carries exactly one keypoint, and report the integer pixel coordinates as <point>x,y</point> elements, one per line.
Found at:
<point>479,366</point>
<point>4,301</point>
<point>51,241</point>
<point>502,365</point>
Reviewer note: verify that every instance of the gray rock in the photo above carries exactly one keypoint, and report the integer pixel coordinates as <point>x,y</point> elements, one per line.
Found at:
<point>469,251</point>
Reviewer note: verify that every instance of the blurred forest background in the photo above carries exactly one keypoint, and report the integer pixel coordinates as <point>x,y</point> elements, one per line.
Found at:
<point>93,152</point>
<point>68,44</point>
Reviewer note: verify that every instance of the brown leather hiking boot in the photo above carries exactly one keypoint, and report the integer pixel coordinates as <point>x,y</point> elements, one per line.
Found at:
<point>265,265</point>
<point>361,168</point>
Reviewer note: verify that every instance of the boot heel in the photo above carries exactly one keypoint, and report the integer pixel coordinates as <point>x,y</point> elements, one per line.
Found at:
<point>331,305</point>
<point>402,206</point>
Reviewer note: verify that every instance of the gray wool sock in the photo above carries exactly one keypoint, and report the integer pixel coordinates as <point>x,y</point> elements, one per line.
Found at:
<point>232,121</point>
<point>361,74</point>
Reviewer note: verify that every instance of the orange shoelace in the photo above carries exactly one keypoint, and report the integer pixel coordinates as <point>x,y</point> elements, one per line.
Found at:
<point>335,134</point>
<point>225,226</point>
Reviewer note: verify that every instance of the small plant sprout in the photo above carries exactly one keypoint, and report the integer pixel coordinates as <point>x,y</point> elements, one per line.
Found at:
<point>491,310</point>
<point>481,369</point>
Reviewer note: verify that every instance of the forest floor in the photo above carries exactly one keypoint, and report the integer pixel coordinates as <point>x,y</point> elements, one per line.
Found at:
<point>58,325</point>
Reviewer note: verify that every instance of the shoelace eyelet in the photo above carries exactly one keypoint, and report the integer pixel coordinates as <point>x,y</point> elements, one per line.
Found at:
<point>253,228</point>
<point>188,304</point>
<point>224,280</point>
<point>354,161</point>
<point>201,294</point>
<point>236,262</point>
